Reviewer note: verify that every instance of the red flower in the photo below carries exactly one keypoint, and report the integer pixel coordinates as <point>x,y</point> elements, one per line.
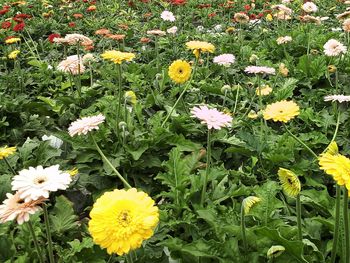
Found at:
<point>71,24</point>
<point>6,25</point>
<point>52,37</point>
<point>252,17</point>
<point>211,15</point>
<point>19,27</point>
<point>247,7</point>
<point>204,6</point>
<point>178,2</point>
<point>4,11</point>
<point>91,8</point>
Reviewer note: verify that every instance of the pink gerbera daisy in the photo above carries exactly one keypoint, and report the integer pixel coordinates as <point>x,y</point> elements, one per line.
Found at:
<point>86,124</point>
<point>211,117</point>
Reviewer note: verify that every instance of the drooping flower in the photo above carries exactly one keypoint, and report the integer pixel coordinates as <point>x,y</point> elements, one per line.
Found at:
<point>249,202</point>
<point>156,32</point>
<point>260,70</point>
<point>281,111</point>
<point>167,16</point>
<point>199,47</point>
<point>283,40</point>
<point>241,18</point>
<point>172,30</point>
<point>275,251</point>
<point>72,65</point>
<point>85,124</point>
<point>339,98</point>
<point>309,7</point>
<point>74,39</point>
<point>130,96</point>
<point>12,40</point>
<point>33,183</point>
<point>14,207</point>
<point>122,219</point>
<point>6,151</point>
<point>180,71</point>
<point>224,59</point>
<point>263,91</point>
<point>346,25</point>
<point>13,54</point>
<point>117,56</point>
<point>336,165</point>
<point>283,70</point>
<point>334,48</point>
<point>289,181</point>
<point>211,117</point>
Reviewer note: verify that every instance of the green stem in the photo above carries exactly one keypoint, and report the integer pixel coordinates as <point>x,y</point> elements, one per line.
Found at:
<point>336,227</point>
<point>236,100</point>
<point>110,258</point>
<point>126,184</point>
<point>48,234</point>
<point>129,258</point>
<point>204,189</point>
<point>346,225</point>
<point>36,244</point>
<point>302,143</point>
<point>243,230</point>
<point>182,93</point>
<point>10,167</point>
<point>298,207</point>
<point>119,95</point>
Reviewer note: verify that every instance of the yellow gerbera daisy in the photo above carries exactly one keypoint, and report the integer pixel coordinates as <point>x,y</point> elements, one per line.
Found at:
<point>130,96</point>
<point>290,182</point>
<point>13,54</point>
<point>264,90</point>
<point>6,151</point>
<point>117,56</point>
<point>199,47</point>
<point>180,71</point>
<point>336,165</point>
<point>281,111</point>
<point>12,40</point>
<point>248,203</point>
<point>122,219</point>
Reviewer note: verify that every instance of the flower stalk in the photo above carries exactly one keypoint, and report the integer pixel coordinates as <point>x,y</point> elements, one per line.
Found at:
<point>298,208</point>
<point>126,184</point>
<point>204,189</point>
<point>337,223</point>
<point>48,234</point>
<point>36,244</point>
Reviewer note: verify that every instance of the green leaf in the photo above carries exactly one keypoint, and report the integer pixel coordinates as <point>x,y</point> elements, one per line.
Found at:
<point>62,216</point>
<point>293,248</point>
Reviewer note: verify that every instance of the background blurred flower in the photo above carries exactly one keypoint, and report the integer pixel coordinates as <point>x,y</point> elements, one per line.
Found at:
<point>260,70</point>
<point>224,59</point>
<point>167,16</point>
<point>281,111</point>
<point>117,56</point>
<point>180,71</point>
<point>334,48</point>
<point>6,151</point>
<point>339,98</point>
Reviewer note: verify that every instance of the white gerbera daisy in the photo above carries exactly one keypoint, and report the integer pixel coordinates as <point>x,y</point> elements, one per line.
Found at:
<point>34,183</point>
<point>167,16</point>
<point>334,48</point>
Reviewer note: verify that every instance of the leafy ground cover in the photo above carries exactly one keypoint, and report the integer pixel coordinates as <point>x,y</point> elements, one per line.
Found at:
<point>174,131</point>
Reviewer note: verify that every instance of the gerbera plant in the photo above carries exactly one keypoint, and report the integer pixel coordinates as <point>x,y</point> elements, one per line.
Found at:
<point>214,119</point>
